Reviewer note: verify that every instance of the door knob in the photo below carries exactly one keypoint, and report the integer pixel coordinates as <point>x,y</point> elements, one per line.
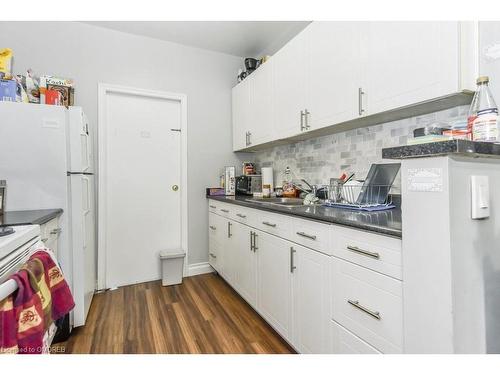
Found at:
<point>175,187</point>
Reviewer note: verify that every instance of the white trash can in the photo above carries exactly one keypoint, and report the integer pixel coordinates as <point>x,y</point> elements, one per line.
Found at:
<point>172,266</point>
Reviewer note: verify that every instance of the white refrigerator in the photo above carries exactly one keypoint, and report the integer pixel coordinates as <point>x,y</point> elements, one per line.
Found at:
<point>46,159</point>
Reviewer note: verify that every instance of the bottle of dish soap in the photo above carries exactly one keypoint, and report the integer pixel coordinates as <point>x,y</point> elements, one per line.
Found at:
<point>482,121</point>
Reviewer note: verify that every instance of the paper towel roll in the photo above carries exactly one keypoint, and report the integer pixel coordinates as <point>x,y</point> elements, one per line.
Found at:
<point>267,177</point>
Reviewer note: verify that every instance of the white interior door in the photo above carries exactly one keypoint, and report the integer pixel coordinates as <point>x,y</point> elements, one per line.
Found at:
<point>142,172</point>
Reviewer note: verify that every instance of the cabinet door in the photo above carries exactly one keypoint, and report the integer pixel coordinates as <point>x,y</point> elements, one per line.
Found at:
<point>310,300</point>
<point>274,281</point>
<point>240,113</point>
<point>289,87</point>
<point>261,106</point>
<point>245,260</point>
<point>333,72</point>
<point>409,62</point>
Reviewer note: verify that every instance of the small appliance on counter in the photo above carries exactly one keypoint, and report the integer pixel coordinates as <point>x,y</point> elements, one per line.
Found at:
<point>249,184</point>
<point>268,177</point>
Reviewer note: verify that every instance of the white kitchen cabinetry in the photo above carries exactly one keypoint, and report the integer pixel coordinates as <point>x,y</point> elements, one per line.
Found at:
<point>274,281</point>
<point>334,68</point>
<point>302,290</point>
<point>289,88</point>
<point>310,274</point>
<point>49,233</point>
<point>261,105</point>
<point>241,114</point>
<point>335,76</point>
<point>344,342</point>
<point>253,109</point>
<point>409,62</point>
<point>245,263</point>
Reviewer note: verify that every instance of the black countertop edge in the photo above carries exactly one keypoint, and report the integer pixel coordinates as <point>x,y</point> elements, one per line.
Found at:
<point>29,217</point>
<point>382,222</point>
<point>452,147</point>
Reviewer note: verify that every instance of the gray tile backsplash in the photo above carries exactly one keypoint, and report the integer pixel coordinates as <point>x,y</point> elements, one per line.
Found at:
<point>320,158</point>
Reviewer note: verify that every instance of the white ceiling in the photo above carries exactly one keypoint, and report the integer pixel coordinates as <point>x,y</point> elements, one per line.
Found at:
<point>239,38</point>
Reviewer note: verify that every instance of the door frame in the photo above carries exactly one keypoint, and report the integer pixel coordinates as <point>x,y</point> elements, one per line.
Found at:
<point>103,90</point>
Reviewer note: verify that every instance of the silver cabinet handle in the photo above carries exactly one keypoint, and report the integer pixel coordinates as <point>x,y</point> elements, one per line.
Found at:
<point>45,239</point>
<point>212,227</point>
<point>223,210</point>
<point>246,138</point>
<point>214,207</point>
<point>229,229</point>
<point>213,255</point>
<point>248,142</point>
<point>255,242</point>
<point>292,265</point>
<point>373,314</point>
<point>367,253</point>
<point>241,215</point>
<point>302,127</point>
<point>310,236</point>
<point>360,101</point>
<point>306,116</point>
<point>56,231</point>
<point>251,240</point>
<point>269,224</point>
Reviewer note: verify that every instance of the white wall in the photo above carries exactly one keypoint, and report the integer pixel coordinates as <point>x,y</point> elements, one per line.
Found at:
<point>91,54</point>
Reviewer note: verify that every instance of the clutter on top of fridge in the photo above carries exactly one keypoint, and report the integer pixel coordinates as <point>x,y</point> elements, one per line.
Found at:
<point>30,89</point>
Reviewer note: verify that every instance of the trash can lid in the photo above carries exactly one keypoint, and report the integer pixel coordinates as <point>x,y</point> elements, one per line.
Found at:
<point>172,253</point>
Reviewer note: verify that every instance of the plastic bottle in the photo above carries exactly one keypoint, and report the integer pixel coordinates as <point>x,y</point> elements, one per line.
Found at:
<point>482,121</point>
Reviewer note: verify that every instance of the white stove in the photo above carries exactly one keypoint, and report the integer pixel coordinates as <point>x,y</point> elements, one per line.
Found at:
<point>23,234</point>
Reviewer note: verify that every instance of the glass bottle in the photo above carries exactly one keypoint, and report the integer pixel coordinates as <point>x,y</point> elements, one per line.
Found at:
<point>482,121</point>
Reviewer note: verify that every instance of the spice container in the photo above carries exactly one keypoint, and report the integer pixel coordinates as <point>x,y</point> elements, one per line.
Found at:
<point>266,191</point>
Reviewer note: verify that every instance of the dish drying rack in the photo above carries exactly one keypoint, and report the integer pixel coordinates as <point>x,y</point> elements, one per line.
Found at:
<point>361,197</point>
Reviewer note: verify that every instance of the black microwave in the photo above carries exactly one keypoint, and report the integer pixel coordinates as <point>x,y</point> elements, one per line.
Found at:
<point>249,184</point>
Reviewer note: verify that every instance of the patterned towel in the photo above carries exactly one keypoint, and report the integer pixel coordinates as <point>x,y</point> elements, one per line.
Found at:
<point>43,296</point>
<point>61,297</point>
<point>8,327</point>
<point>29,315</point>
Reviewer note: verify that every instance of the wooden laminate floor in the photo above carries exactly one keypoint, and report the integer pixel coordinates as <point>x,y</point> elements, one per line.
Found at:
<point>202,315</point>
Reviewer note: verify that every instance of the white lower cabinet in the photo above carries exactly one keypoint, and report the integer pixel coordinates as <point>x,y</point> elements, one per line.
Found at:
<point>368,304</point>
<point>344,342</point>
<point>274,290</point>
<point>310,295</point>
<point>245,263</point>
<point>317,302</point>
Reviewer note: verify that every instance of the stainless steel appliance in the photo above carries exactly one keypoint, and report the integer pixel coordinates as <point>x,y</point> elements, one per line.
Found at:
<point>249,184</point>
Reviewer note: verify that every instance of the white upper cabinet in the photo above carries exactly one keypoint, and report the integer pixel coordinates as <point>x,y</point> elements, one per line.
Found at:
<point>363,73</point>
<point>289,87</point>
<point>333,72</point>
<point>408,63</point>
<point>261,111</point>
<point>241,114</point>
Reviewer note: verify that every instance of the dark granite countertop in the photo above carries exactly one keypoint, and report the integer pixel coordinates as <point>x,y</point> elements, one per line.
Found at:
<point>453,147</point>
<point>383,222</point>
<point>12,218</point>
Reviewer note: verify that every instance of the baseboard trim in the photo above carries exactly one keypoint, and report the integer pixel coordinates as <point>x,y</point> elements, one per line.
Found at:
<point>199,268</point>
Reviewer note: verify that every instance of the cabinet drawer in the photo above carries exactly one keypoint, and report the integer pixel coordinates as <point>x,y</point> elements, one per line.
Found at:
<point>243,215</point>
<point>311,234</point>
<point>279,225</point>
<point>368,304</point>
<point>379,253</point>
<point>50,230</point>
<point>344,342</point>
<point>224,209</point>
<point>213,206</point>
